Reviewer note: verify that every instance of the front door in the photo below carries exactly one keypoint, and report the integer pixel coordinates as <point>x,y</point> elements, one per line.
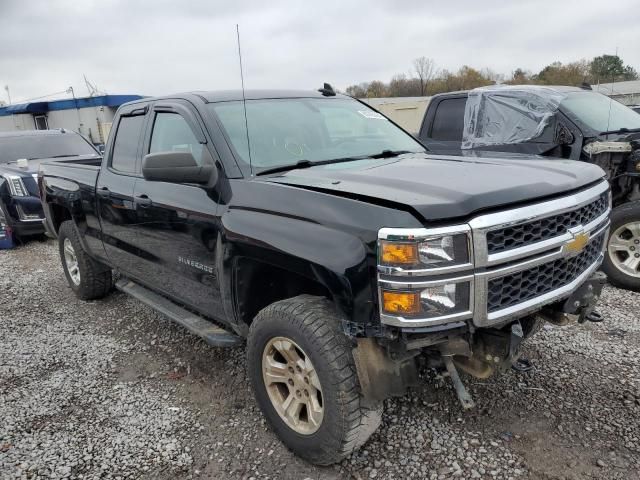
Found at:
<point>114,190</point>
<point>177,224</point>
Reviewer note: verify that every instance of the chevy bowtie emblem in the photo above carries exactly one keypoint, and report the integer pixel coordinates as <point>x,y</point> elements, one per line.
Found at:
<point>577,243</point>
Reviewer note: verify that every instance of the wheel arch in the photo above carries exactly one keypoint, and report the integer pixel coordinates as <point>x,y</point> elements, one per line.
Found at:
<point>62,201</point>
<point>291,257</point>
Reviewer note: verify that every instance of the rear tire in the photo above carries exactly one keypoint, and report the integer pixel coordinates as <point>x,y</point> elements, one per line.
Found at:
<point>87,278</point>
<point>622,255</point>
<point>311,327</point>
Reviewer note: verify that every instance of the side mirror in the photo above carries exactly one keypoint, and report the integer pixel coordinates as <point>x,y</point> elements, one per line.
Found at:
<point>563,135</point>
<point>177,167</point>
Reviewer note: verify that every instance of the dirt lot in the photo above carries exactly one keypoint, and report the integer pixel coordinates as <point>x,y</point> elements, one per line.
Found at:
<point>110,389</point>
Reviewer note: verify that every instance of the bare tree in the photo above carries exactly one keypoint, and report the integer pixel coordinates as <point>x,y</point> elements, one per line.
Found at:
<point>376,89</point>
<point>425,69</point>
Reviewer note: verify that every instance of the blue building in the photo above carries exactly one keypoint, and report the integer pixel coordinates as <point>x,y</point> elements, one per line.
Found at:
<point>89,116</point>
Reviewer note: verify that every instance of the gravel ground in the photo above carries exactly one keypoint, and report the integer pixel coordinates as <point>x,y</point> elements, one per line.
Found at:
<point>109,389</point>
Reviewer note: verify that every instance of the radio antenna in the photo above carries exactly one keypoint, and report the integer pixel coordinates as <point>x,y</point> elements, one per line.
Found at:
<point>244,100</point>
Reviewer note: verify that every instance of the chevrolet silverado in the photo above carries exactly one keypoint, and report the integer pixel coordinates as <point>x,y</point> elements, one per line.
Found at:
<point>324,236</point>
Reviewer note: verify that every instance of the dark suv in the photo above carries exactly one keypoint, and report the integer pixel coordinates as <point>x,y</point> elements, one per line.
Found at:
<point>21,153</point>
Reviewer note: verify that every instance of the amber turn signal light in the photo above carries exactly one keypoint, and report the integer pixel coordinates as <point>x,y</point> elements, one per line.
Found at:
<point>399,253</point>
<point>405,303</point>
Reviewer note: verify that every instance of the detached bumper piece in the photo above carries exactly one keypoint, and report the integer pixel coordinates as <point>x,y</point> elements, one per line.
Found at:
<point>461,391</point>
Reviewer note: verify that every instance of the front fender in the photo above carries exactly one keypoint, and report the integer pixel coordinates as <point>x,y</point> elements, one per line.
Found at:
<point>338,260</point>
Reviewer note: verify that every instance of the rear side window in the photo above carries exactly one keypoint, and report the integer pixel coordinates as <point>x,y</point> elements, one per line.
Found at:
<point>171,133</point>
<point>449,120</point>
<point>125,146</point>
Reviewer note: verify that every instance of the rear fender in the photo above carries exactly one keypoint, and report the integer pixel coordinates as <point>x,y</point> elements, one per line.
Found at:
<point>68,196</point>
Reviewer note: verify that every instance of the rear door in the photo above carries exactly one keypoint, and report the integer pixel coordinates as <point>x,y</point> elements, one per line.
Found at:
<point>114,189</point>
<point>177,232</point>
<point>442,128</point>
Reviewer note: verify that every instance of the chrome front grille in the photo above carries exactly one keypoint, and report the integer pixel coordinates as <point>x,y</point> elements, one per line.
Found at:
<point>511,277</point>
<point>518,287</point>
<point>519,280</point>
<point>511,237</point>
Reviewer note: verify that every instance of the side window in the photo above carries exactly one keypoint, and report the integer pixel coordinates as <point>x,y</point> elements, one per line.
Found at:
<point>449,120</point>
<point>171,133</point>
<point>125,146</point>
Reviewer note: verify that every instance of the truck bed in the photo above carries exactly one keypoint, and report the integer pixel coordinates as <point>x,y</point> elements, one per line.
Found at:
<point>83,171</point>
<point>69,184</point>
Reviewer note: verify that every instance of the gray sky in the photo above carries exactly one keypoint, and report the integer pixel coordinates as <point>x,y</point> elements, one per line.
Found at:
<point>162,46</point>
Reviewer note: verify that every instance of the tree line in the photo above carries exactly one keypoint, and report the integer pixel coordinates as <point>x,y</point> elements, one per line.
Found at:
<point>426,79</point>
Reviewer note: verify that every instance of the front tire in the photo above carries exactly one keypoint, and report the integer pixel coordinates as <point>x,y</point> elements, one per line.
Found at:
<point>622,256</point>
<point>304,378</point>
<point>87,278</point>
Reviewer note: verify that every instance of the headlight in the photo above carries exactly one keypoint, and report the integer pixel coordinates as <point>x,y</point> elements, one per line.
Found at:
<point>425,275</point>
<point>425,249</point>
<point>16,186</point>
<point>439,300</point>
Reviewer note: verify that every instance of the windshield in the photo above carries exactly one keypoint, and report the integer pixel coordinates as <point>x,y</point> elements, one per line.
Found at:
<point>284,131</point>
<point>599,112</point>
<point>43,146</point>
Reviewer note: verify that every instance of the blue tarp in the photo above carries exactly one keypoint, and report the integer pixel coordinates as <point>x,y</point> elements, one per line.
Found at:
<point>68,104</point>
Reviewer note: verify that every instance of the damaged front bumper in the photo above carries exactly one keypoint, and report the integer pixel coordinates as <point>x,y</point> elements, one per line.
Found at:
<point>467,295</point>
<point>389,365</point>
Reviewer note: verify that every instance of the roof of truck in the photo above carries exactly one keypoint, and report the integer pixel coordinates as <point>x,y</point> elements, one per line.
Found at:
<point>235,95</point>
<point>230,95</point>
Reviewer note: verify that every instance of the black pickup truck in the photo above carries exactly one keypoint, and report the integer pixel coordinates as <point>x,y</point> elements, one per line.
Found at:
<point>323,234</point>
<point>561,122</point>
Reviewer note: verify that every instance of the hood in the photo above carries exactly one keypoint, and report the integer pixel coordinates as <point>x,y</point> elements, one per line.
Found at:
<point>444,187</point>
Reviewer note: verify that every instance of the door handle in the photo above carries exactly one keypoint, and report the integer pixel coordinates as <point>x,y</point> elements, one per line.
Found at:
<point>103,192</point>
<point>143,201</point>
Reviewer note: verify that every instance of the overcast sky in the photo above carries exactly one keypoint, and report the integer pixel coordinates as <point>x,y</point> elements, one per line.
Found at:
<point>162,46</point>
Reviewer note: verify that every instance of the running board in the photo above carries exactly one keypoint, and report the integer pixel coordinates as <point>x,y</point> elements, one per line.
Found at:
<point>212,334</point>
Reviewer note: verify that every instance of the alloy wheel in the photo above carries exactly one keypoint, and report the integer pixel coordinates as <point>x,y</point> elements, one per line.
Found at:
<point>71,261</point>
<point>293,385</point>
<point>624,249</point>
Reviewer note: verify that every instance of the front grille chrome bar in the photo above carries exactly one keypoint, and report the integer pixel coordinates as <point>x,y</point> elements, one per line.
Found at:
<point>530,306</point>
<point>518,216</point>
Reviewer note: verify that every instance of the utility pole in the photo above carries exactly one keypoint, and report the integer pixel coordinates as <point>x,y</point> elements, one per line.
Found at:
<point>75,101</point>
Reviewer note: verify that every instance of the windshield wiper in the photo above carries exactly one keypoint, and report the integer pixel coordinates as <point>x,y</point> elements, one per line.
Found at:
<point>621,130</point>
<point>389,153</point>
<point>308,163</point>
<point>60,156</point>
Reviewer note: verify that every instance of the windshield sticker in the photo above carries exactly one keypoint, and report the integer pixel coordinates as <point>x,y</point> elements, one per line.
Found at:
<point>371,114</point>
